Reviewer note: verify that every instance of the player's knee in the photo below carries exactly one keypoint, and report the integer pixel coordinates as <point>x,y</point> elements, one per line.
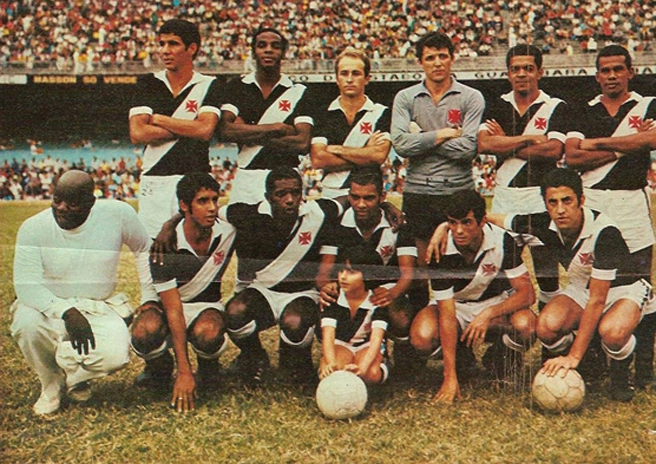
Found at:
<point>149,330</point>
<point>236,314</point>
<point>524,324</point>
<point>547,327</point>
<point>27,322</point>
<point>613,335</point>
<point>110,359</point>
<point>207,332</point>
<point>298,318</point>
<point>422,339</point>
<point>399,322</point>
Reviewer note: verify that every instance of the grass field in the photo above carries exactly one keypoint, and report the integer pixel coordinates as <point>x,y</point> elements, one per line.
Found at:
<point>281,424</point>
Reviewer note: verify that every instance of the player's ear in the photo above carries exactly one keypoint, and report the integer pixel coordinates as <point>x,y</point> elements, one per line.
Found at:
<point>582,200</point>
<point>184,208</point>
<point>193,48</point>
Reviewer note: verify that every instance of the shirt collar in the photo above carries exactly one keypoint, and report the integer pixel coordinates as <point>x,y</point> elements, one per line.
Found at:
<point>348,220</point>
<point>367,106</point>
<point>366,304</point>
<point>196,77</point>
<point>284,81</point>
<point>632,96</point>
<point>488,243</point>
<point>265,208</point>
<point>183,244</point>
<point>586,230</point>
<point>456,87</point>
<point>510,98</point>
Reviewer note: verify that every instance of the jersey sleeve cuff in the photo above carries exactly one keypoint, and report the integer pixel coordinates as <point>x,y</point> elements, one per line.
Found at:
<point>140,110</point>
<point>304,120</point>
<point>319,141</point>
<point>164,286</point>
<point>555,135</point>
<point>603,274</point>
<point>379,325</point>
<point>407,251</point>
<point>231,108</point>
<point>210,109</point>
<point>328,322</point>
<point>516,272</point>
<point>442,295</point>
<point>575,135</point>
<point>328,250</point>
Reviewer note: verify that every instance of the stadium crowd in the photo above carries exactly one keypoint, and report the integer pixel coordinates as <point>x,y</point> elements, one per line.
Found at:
<point>87,36</point>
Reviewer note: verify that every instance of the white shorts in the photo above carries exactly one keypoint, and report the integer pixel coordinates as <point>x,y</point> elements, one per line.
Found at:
<point>527,200</point>
<point>356,349</point>
<point>639,292</point>
<point>278,301</point>
<point>466,311</point>
<point>629,209</point>
<point>193,310</point>
<point>157,201</point>
<point>248,186</point>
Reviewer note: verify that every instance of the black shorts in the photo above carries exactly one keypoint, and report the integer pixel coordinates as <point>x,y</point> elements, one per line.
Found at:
<point>424,213</point>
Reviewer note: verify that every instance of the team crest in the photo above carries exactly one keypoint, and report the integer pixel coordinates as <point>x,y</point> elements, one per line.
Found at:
<point>489,269</point>
<point>218,257</point>
<point>365,128</point>
<point>454,116</point>
<point>386,251</point>
<point>191,106</point>
<point>284,105</point>
<point>635,122</point>
<point>540,123</point>
<point>586,259</point>
<point>304,238</point>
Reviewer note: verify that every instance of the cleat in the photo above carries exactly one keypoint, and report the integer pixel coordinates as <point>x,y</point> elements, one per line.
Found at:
<point>208,375</point>
<point>296,364</point>
<point>620,387</point>
<point>252,367</point>
<point>79,393</point>
<point>503,363</point>
<point>157,374</point>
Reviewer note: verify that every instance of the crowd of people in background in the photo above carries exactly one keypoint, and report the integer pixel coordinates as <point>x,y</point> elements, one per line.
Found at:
<point>88,36</point>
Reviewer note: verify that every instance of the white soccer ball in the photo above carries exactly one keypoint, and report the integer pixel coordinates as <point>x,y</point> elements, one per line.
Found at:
<point>557,393</point>
<point>341,395</point>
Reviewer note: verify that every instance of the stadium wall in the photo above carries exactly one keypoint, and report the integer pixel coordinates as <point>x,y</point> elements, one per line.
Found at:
<point>67,107</point>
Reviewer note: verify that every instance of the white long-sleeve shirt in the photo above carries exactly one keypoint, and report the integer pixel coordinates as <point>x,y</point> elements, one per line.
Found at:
<point>54,269</point>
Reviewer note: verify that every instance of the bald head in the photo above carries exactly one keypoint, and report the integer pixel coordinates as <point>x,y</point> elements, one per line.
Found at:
<point>73,199</point>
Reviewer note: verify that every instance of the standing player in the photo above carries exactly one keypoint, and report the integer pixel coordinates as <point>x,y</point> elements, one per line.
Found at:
<point>278,243</point>
<point>614,180</point>
<point>189,285</point>
<point>435,125</point>
<point>353,131</point>
<point>264,113</point>
<point>603,295</point>
<point>67,320</point>
<point>481,287</point>
<point>364,226</point>
<point>525,129</point>
<point>174,113</point>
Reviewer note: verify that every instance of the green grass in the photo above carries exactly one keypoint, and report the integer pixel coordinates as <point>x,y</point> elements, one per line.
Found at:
<point>280,422</point>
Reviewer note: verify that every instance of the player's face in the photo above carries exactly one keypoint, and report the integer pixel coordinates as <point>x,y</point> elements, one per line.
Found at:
<point>173,53</point>
<point>436,64</point>
<point>467,232</point>
<point>564,209</point>
<point>613,76</point>
<point>351,78</point>
<point>285,198</point>
<point>268,50</point>
<point>524,74</point>
<point>69,209</point>
<point>204,208</point>
<point>349,279</point>
<point>365,201</point>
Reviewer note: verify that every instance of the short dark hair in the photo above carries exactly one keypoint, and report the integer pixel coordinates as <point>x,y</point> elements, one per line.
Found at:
<point>614,50</point>
<point>191,183</point>
<point>524,50</point>
<point>364,258</point>
<point>464,201</point>
<point>367,175</point>
<point>284,172</point>
<point>562,177</point>
<point>186,30</point>
<point>436,40</point>
<point>262,30</point>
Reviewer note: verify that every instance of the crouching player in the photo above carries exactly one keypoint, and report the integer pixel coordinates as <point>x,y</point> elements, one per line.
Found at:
<point>353,329</point>
<point>603,295</point>
<point>189,285</point>
<point>480,287</point>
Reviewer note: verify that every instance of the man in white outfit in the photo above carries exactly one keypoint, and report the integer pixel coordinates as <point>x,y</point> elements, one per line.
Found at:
<point>67,319</point>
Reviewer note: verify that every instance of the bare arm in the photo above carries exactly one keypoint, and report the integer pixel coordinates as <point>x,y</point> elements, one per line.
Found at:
<point>549,150</point>
<point>384,297</point>
<point>586,159</point>
<point>626,143</point>
<point>334,157</point>
<point>201,128</point>
<point>232,129</point>
<point>298,142</point>
<point>143,131</point>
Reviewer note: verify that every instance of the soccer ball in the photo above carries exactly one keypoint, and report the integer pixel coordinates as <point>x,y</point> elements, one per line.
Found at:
<point>341,395</point>
<point>557,393</point>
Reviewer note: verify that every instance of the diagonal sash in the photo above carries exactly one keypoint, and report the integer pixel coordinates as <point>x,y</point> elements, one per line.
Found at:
<point>511,167</point>
<point>278,111</point>
<point>357,137</point>
<point>387,242</point>
<point>625,127</point>
<point>154,153</point>
<point>276,271</point>
<point>214,266</point>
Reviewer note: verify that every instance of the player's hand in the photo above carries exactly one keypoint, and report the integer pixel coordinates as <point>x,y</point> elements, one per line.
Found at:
<point>184,392</point>
<point>377,138</point>
<point>164,243</point>
<point>552,366</point>
<point>647,125</point>
<point>437,244</point>
<point>477,328</point>
<point>326,370</point>
<point>494,128</point>
<point>394,216</point>
<point>284,130</point>
<point>355,368</point>
<point>537,139</point>
<point>448,133</point>
<point>448,392</point>
<point>328,294</point>
<point>381,297</point>
<point>79,331</point>
<point>414,128</point>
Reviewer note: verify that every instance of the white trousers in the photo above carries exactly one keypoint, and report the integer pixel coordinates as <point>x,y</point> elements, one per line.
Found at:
<point>47,349</point>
